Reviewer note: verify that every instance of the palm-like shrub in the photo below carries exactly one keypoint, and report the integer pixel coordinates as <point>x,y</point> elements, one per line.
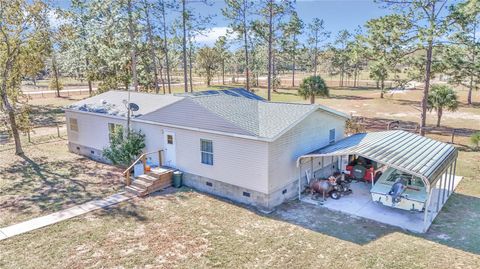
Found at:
<point>475,139</point>
<point>440,98</point>
<point>313,86</point>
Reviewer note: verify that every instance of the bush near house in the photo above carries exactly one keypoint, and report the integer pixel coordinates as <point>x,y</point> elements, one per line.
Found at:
<point>124,150</point>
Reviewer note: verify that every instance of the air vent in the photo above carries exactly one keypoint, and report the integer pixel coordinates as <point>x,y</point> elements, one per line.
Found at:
<point>209,184</point>
<point>92,152</point>
<point>246,194</point>
<point>284,191</point>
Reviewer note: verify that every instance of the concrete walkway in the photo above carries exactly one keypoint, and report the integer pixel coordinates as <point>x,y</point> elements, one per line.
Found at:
<point>53,218</point>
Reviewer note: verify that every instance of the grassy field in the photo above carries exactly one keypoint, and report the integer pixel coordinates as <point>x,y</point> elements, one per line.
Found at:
<point>191,230</point>
<point>49,178</point>
<point>187,229</point>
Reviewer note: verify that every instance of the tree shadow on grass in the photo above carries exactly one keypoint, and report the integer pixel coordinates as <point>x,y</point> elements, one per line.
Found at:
<point>46,115</point>
<point>381,124</point>
<point>456,226</point>
<point>36,186</point>
<point>350,97</point>
<point>127,209</point>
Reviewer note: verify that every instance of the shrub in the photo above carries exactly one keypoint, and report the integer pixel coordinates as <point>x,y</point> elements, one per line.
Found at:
<point>475,139</point>
<point>313,86</point>
<point>124,150</point>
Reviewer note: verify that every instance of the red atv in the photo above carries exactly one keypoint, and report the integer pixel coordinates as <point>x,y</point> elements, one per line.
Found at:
<point>362,169</point>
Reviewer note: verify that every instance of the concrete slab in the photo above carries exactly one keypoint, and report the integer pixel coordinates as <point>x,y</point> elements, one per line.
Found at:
<point>68,213</point>
<point>360,204</point>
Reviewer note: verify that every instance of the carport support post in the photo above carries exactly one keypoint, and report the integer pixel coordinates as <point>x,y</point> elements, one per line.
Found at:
<point>299,178</point>
<point>427,208</point>
<point>311,167</point>
<point>445,186</point>
<point>453,174</point>
<point>439,184</point>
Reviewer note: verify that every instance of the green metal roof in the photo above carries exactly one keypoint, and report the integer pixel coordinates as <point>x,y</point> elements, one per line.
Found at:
<point>411,153</point>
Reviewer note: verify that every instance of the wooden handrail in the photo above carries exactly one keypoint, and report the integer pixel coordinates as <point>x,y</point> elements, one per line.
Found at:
<point>142,158</point>
<point>138,159</point>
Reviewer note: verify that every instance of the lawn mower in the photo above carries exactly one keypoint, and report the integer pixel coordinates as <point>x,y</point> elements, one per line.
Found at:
<point>362,169</point>
<point>335,186</point>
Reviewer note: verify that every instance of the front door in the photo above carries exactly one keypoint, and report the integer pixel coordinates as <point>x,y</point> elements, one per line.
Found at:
<point>169,151</point>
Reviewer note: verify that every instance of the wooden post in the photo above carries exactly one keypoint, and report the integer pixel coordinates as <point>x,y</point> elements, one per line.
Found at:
<point>159,158</point>
<point>28,134</point>
<point>453,135</point>
<point>127,178</point>
<point>58,130</point>
<point>144,161</point>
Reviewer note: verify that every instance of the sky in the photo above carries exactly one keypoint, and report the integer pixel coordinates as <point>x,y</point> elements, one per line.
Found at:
<point>337,14</point>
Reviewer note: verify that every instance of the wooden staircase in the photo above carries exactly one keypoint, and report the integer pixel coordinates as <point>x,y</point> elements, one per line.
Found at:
<point>156,179</point>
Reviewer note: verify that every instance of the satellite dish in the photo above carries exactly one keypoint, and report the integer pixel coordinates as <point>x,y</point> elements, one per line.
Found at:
<point>133,107</point>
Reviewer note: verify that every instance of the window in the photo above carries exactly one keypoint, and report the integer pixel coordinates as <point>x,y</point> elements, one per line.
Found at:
<point>331,138</point>
<point>113,129</point>
<point>206,149</point>
<point>170,139</point>
<point>73,124</point>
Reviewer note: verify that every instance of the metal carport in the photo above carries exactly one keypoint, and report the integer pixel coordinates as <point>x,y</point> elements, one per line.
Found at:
<point>432,161</point>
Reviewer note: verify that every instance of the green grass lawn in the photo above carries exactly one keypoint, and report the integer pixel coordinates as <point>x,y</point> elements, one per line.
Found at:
<point>187,229</point>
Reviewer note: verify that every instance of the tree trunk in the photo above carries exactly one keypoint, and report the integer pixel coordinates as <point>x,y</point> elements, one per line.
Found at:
<point>312,99</point>
<point>382,88</point>
<point>469,97</point>
<point>190,63</point>
<point>10,110</point>
<point>245,40</point>
<point>439,116</point>
<point>474,52</point>
<point>270,40</point>
<point>90,88</point>
<point>165,44</point>
<point>152,48</point>
<point>184,49</point>
<point>162,79</point>
<point>424,104</point>
<point>293,71</point>
<point>315,54</point>
<point>223,71</point>
<point>133,52</point>
<point>55,75</point>
<point>355,74</point>
<point>16,135</point>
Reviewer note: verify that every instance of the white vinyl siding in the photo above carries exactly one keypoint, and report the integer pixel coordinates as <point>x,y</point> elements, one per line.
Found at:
<point>237,161</point>
<point>92,129</point>
<point>206,149</point>
<point>310,134</point>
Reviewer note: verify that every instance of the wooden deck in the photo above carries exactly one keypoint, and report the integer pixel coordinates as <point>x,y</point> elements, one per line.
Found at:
<point>157,179</point>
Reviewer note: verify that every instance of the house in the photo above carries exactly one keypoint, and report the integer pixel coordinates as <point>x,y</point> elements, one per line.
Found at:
<point>230,143</point>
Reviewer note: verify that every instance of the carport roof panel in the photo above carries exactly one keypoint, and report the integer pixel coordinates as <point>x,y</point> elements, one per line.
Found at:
<point>410,152</point>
